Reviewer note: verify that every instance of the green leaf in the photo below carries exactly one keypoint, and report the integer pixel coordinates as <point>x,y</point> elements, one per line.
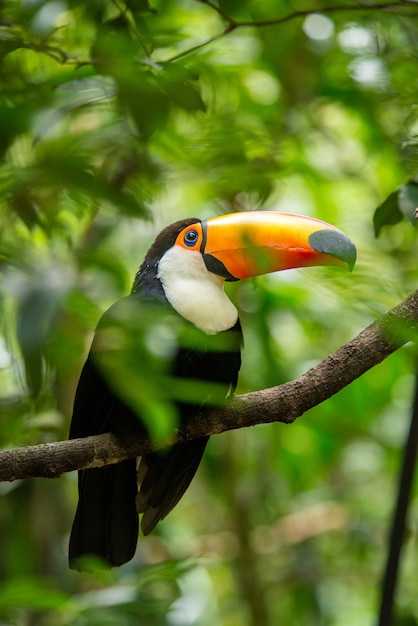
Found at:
<point>146,102</point>
<point>388,213</point>
<point>176,80</point>
<point>184,94</point>
<point>35,322</point>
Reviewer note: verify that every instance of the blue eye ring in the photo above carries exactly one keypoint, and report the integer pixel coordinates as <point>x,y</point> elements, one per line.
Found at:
<point>191,238</point>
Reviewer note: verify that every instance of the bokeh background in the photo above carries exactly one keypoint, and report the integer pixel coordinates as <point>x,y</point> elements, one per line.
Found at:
<point>119,117</point>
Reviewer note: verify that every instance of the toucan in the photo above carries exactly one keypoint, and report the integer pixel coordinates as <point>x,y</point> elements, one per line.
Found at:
<point>177,336</point>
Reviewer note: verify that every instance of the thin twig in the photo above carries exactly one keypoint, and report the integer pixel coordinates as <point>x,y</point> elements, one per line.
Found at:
<point>202,44</point>
<point>232,25</point>
<point>218,10</point>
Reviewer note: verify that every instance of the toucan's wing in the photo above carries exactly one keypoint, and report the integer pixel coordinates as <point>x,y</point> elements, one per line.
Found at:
<point>164,477</point>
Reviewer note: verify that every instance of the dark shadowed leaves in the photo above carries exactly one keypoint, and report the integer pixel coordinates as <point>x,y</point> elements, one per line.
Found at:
<point>388,213</point>
<point>399,204</point>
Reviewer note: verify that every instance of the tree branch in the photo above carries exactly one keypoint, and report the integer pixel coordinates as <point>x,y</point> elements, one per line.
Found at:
<point>278,404</point>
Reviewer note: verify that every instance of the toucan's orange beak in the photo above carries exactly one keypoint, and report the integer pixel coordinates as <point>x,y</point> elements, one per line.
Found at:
<point>241,245</point>
<point>260,242</point>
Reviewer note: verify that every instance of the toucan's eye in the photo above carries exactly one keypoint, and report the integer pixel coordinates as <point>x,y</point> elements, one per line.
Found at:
<point>191,237</point>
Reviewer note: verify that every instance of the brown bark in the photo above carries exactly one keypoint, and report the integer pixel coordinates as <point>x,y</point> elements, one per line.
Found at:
<point>278,404</point>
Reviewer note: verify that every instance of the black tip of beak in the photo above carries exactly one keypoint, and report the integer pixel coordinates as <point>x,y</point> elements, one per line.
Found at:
<point>335,244</point>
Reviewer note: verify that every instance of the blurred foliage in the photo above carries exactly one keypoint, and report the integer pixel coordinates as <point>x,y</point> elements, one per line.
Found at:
<point>399,204</point>
<point>117,117</point>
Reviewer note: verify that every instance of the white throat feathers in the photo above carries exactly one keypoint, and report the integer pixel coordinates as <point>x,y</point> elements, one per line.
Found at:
<point>194,292</point>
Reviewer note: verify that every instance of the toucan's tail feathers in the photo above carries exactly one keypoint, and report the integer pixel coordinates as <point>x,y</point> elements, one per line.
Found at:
<point>106,521</point>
